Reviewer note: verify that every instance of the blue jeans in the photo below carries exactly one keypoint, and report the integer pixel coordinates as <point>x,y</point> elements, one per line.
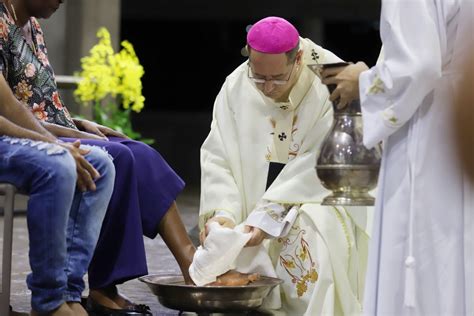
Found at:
<point>63,223</point>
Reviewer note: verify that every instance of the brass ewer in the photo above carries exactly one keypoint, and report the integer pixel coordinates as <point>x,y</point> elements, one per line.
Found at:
<point>345,166</point>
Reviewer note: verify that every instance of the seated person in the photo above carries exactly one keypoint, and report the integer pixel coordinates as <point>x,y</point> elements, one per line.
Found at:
<point>64,219</point>
<point>143,201</point>
<point>258,167</point>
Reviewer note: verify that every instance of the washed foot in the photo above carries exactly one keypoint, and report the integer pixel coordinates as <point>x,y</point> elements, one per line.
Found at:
<point>234,278</point>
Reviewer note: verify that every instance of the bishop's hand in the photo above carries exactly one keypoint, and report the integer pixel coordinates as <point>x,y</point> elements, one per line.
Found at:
<point>223,221</point>
<point>257,238</point>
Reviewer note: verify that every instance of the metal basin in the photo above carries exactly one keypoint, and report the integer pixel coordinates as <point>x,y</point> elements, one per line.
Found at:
<point>174,294</point>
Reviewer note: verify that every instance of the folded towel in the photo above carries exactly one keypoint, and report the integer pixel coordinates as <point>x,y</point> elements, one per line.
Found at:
<point>223,250</point>
<point>218,254</point>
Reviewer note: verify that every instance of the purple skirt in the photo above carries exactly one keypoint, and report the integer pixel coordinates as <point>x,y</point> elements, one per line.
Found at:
<point>145,188</point>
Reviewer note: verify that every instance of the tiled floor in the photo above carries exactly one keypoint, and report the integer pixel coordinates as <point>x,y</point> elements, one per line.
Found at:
<point>159,258</point>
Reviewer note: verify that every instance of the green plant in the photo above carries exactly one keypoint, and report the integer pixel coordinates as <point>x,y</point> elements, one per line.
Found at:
<point>112,83</point>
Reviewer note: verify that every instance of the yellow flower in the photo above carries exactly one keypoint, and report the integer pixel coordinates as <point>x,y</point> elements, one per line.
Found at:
<point>106,73</point>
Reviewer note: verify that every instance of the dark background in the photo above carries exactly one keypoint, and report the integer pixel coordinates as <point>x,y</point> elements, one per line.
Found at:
<point>188,48</point>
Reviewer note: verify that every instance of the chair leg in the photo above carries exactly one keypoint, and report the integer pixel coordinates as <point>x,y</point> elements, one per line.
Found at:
<point>9,192</point>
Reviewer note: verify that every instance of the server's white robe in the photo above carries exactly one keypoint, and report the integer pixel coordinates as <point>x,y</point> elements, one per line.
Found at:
<point>421,256</point>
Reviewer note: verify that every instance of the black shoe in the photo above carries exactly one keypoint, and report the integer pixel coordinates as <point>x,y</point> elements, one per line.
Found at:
<point>96,309</point>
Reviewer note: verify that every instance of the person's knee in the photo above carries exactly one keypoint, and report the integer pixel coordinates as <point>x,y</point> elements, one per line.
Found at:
<point>50,175</point>
<point>102,162</point>
<point>62,169</point>
<point>122,155</point>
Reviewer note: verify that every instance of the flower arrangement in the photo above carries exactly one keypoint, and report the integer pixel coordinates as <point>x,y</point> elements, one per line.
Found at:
<point>112,83</point>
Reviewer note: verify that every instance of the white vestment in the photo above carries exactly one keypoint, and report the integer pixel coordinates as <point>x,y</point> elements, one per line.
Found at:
<point>421,255</point>
<point>321,255</point>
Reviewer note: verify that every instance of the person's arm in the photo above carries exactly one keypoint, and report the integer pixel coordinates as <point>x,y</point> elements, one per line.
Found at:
<point>18,121</point>
<point>14,111</point>
<point>85,171</point>
<point>392,91</point>
<point>11,129</point>
<point>220,194</point>
<point>62,131</point>
<point>17,113</point>
<point>97,129</point>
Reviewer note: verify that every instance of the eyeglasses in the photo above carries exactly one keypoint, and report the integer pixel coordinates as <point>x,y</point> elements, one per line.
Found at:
<point>278,82</point>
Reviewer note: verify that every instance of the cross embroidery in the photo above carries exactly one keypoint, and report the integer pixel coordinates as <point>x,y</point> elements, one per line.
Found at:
<point>282,136</point>
<point>315,55</point>
<point>376,87</point>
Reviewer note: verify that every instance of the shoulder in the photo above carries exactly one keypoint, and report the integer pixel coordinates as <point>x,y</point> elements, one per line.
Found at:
<point>315,54</point>
<point>236,89</point>
<point>36,25</point>
<point>239,74</point>
<point>236,80</point>
<point>6,25</point>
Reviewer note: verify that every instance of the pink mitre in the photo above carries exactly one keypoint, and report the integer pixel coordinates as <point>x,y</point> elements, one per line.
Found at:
<point>273,35</point>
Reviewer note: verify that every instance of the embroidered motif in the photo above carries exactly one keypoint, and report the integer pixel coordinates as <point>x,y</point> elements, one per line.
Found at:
<point>376,87</point>
<point>390,116</point>
<point>294,147</point>
<point>345,230</point>
<point>298,262</point>
<point>314,55</point>
<point>273,122</point>
<point>274,215</point>
<point>295,119</point>
<point>284,107</point>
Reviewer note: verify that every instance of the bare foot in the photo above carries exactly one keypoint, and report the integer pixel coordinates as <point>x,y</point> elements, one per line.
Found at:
<point>62,310</point>
<point>77,309</point>
<point>184,267</point>
<point>234,278</point>
<point>110,297</point>
<point>173,232</point>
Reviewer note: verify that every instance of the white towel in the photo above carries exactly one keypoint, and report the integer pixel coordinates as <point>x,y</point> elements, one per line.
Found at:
<point>223,250</point>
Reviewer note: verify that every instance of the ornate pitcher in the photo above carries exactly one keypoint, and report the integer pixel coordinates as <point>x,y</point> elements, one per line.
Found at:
<point>345,166</point>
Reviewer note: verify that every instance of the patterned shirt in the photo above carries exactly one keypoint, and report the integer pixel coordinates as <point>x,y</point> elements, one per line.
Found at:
<point>28,71</point>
